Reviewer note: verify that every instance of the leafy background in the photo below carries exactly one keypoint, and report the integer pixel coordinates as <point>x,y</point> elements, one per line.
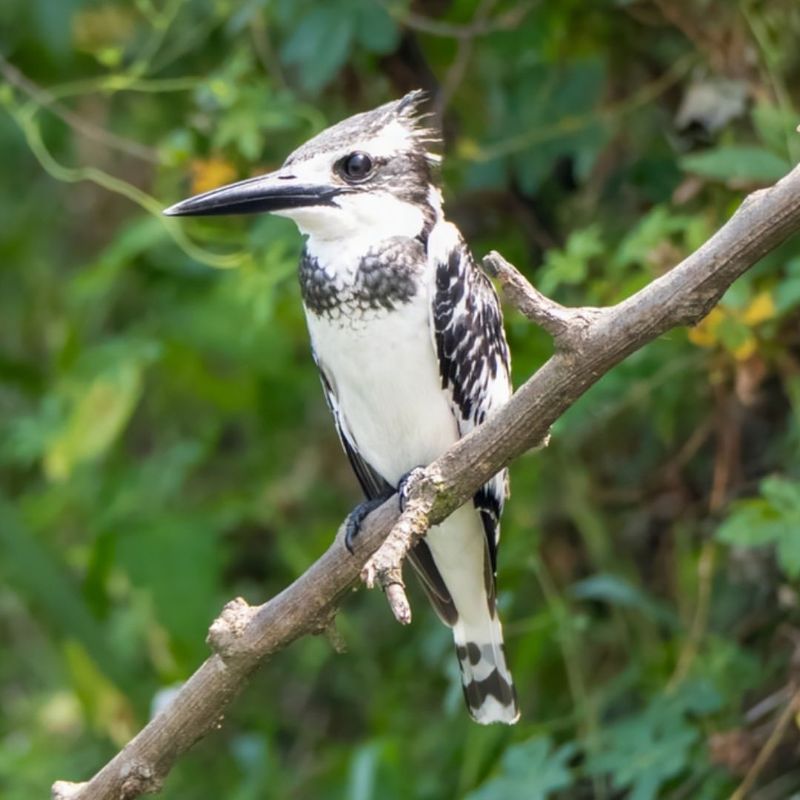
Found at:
<point>164,445</point>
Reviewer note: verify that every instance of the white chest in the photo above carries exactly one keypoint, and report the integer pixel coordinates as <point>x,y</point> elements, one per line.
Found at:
<point>385,377</point>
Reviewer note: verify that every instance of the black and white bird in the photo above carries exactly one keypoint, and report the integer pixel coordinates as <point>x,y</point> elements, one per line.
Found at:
<point>408,336</point>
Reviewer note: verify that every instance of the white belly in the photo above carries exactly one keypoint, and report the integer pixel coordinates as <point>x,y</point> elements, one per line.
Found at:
<point>385,376</point>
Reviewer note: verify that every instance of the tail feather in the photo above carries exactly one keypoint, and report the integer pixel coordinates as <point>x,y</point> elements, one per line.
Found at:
<point>488,687</point>
<point>456,568</point>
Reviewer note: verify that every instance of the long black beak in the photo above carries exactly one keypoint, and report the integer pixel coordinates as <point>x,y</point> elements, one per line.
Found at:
<point>276,191</point>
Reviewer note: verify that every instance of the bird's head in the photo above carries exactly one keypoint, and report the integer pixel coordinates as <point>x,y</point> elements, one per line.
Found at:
<point>373,172</point>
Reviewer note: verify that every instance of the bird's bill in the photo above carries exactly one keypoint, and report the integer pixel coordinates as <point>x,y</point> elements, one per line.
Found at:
<point>277,191</point>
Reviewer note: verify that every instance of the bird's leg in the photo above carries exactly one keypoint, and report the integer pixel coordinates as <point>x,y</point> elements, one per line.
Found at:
<point>352,525</point>
<point>418,491</point>
<point>404,485</point>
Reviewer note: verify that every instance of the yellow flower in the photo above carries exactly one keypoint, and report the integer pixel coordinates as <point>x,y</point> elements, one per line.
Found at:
<point>210,173</point>
<point>721,322</point>
<point>704,334</point>
<point>746,349</point>
<point>760,309</point>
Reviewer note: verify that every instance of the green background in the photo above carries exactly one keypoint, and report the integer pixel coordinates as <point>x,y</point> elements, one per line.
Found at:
<point>164,444</point>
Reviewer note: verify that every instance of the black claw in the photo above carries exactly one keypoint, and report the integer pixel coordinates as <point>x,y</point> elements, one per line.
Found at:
<point>352,525</point>
<point>402,486</point>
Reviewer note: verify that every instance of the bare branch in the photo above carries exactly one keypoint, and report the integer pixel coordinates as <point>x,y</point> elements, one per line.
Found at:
<point>385,566</point>
<point>244,636</point>
<point>567,326</point>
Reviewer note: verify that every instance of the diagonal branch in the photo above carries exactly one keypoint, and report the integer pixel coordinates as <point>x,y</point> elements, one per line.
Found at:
<point>244,636</point>
<point>566,325</point>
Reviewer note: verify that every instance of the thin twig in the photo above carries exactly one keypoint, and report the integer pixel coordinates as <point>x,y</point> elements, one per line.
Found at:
<point>478,27</point>
<point>690,649</point>
<point>768,704</point>
<point>571,655</point>
<point>572,124</point>
<point>262,46</point>
<point>111,183</point>
<point>566,325</point>
<point>458,69</point>
<point>46,100</point>
<point>764,755</point>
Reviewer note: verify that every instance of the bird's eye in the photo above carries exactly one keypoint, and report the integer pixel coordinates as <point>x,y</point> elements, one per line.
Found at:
<point>355,167</point>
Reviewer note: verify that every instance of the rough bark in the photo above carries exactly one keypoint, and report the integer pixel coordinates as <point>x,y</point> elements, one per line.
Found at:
<point>589,342</point>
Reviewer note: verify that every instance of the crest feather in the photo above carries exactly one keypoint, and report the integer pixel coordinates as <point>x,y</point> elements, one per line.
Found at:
<point>408,111</point>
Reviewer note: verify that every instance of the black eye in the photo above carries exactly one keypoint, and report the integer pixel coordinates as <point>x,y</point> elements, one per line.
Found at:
<point>355,167</point>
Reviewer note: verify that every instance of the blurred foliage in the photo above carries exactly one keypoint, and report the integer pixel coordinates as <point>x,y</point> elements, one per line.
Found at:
<point>164,445</point>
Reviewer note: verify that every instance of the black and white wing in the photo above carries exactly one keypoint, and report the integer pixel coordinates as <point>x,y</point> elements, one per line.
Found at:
<point>474,361</point>
<point>474,370</point>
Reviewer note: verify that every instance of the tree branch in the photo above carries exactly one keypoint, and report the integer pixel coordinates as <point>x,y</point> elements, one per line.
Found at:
<point>566,325</point>
<point>244,636</point>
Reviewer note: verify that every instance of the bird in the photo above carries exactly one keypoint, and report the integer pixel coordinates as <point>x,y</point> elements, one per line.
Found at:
<point>407,334</point>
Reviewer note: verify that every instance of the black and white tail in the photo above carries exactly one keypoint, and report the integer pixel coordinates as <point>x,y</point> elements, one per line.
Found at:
<point>487,683</point>
<point>455,566</point>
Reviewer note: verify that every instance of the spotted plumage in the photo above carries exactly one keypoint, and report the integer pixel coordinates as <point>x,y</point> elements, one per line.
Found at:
<point>408,337</point>
<point>468,328</point>
<point>384,277</point>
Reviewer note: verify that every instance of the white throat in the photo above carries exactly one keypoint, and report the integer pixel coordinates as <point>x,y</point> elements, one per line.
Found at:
<point>340,235</point>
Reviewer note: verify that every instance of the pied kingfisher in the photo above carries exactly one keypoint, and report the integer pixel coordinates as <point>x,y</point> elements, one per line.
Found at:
<point>408,337</point>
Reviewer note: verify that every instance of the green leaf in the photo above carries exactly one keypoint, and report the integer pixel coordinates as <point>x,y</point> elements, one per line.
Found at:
<point>788,295</point>
<point>90,286</point>
<point>648,233</point>
<point>545,112</point>
<point>570,266</point>
<point>615,590</point>
<point>36,573</point>
<point>529,771</point>
<point>185,599</point>
<point>773,518</point>
<point>789,551</point>
<point>646,750</point>
<point>776,126</point>
<point>732,333</point>
<point>54,24</point>
<point>783,495</point>
<point>375,30</point>
<point>108,708</point>
<point>737,162</point>
<point>320,44</point>
<point>697,697</point>
<point>753,523</point>
<point>99,414</point>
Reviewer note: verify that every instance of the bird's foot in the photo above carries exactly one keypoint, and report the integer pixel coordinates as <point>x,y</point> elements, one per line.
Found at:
<point>352,525</point>
<point>404,486</point>
<point>356,517</point>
